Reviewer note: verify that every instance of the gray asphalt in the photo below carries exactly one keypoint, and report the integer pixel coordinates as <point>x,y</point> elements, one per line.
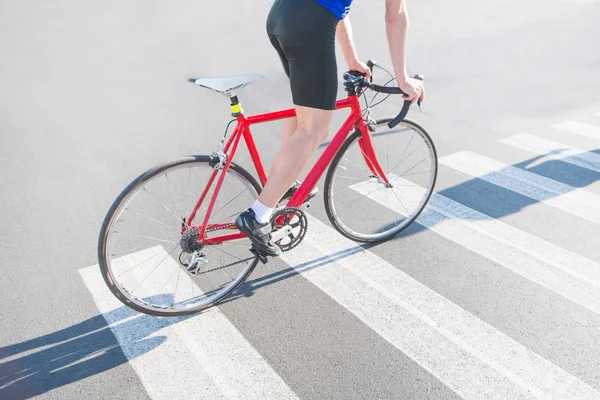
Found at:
<point>93,93</point>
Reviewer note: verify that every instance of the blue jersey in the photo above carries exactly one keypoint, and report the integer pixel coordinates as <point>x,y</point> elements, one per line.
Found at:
<point>339,7</point>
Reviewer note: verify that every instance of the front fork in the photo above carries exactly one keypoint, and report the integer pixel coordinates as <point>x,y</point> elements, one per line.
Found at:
<point>365,142</point>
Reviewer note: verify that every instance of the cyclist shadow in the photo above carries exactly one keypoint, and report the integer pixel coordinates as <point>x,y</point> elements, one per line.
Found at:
<point>487,199</point>
<point>77,352</point>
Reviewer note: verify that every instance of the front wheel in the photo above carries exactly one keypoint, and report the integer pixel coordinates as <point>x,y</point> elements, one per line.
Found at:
<point>359,204</point>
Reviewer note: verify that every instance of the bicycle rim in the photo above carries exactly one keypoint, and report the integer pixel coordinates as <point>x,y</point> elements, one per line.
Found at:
<point>140,246</point>
<point>361,206</point>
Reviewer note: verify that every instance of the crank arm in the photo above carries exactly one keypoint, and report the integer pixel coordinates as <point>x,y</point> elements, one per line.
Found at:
<point>281,233</point>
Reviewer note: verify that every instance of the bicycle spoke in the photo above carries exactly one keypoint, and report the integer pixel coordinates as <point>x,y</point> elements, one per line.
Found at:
<point>368,194</point>
<point>171,194</point>
<point>359,166</point>
<point>176,284</point>
<point>413,166</point>
<point>168,280</point>
<point>401,203</point>
<point>147,218</point>
<point>148,237</point>
<point>350,177</point>
<point>406,148</point>
<point>387,152</point>
<point>388,200</point>
<point>228,253</point>
<point>155,268</point>
<point>399,162</point>
<point>190,183</point>
<point>230,201</point>
<point>417,173</point>
<point>179,219</point>
<point>137,265</point>
<point>123,252</point>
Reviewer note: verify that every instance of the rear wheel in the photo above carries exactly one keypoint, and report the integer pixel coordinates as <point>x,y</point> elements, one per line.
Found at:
<point>361,206</point>
<point>144,249</point>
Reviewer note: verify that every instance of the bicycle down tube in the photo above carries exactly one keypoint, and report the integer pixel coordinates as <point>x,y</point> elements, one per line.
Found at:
<point>242,129</point>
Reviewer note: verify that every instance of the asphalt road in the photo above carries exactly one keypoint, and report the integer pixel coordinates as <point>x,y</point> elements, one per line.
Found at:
<point>495,297</point>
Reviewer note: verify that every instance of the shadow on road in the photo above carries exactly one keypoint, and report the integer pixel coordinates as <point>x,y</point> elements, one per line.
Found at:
<point>75,353</point>
<point>90,347</point>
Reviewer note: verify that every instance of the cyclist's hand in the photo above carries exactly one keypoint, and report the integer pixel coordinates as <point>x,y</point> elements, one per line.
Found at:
<point>360,67</point>
<point>413,88</point>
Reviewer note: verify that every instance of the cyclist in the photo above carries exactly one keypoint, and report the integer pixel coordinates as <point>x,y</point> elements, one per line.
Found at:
<point>303,33</point>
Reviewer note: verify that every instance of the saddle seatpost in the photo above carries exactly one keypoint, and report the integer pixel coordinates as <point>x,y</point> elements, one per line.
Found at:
<point>236,107</point>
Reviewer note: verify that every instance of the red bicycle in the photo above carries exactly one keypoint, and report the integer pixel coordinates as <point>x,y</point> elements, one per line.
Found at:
<point>168,245</point>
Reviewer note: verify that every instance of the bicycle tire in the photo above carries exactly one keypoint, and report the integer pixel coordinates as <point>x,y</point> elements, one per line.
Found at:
<point>120,201</point>
<point>330,210</point>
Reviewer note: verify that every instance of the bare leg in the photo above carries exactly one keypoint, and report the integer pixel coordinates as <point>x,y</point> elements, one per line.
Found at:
<point>296,150</point>
<point>290,126</point>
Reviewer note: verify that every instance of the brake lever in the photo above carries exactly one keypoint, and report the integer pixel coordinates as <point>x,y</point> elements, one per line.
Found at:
<point>371,64</point>
<point>419,102</point>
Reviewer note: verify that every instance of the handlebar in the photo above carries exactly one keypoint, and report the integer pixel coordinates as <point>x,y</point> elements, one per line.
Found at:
<point>357,79</point>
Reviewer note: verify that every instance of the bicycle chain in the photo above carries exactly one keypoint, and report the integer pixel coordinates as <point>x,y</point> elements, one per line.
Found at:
<point>222,266</point>
<point>286,248</point>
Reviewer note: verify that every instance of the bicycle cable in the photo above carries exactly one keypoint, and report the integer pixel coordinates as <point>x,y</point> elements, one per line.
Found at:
<point>369,105</point>
<point>227,128</point>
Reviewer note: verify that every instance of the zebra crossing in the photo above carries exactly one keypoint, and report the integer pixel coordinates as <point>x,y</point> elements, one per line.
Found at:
<point>210,357</point>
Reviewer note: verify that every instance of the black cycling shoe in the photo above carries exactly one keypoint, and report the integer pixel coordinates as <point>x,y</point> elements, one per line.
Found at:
<point>295,186</point>
<point>259,234</point>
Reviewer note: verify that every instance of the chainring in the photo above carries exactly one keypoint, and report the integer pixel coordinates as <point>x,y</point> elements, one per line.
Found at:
<point>296,219</point>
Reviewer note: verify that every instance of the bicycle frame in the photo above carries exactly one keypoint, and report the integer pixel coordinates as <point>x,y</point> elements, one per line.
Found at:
<point>242,130</point>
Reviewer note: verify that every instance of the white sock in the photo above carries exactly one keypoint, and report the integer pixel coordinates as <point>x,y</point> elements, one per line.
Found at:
<point>262,212</point>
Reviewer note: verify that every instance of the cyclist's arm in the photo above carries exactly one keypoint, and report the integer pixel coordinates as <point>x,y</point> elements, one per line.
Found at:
<point>396,22</point>
<point>344,35</point>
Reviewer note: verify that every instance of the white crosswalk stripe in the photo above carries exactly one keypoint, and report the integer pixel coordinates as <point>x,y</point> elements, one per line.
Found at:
<point>564,272</point>
<point>579,128</point>
<point>472,358</point>
<point>203,357</point>
<point>555,150</point>
<point>553,193</point>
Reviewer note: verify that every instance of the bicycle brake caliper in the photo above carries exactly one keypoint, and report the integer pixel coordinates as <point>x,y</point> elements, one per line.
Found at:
<point>218,157</point>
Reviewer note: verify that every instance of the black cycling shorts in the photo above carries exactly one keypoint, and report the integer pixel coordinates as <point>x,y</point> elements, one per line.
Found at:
<point>303,33</point>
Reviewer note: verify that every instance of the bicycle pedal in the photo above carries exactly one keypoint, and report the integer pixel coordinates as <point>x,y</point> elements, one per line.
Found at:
<point>260,256</point>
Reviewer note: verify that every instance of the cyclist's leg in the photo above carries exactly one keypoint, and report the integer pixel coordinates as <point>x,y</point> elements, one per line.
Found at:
<point>308,54</point>
<point>311,66</point>
<point>313,127</point>
<point>289,127</point>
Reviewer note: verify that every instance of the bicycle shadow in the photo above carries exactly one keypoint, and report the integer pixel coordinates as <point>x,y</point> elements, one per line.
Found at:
<point>77,352</point>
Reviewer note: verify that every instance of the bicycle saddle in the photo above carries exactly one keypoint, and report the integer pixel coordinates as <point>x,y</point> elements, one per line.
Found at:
<point>225,84</point>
